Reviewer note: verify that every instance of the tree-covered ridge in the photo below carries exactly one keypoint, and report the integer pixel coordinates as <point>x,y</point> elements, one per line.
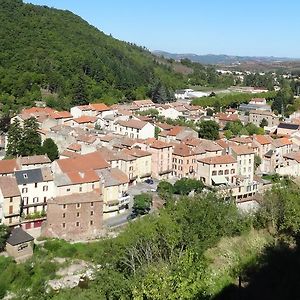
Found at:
<point>61,53</point>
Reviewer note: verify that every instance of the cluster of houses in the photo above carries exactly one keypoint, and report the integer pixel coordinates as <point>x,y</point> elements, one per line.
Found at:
<point>104,150</point>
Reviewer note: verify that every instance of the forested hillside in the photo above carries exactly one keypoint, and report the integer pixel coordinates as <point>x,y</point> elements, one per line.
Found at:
<point>59,52</point>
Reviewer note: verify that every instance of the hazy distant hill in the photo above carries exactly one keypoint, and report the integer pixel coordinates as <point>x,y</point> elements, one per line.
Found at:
<point>220,59</point>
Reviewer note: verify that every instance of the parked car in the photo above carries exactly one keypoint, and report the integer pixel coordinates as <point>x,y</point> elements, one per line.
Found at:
<point>149,181</point>
<point>131,216</point>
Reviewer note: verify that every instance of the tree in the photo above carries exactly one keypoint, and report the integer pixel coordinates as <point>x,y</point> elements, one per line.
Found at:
<point>156,132</point>
<point>209,130</point>
<point>184,186</point>
<point>263,123</point>
<point>165,189</point>
<point>209,112</point>
<point>257,161</point>
<point>3,236</point>
<point>14,139</point>
<point>31,139</point>
<point>50,148</point>
<point>228,134</point>
<point>142,204</point>
<point>80,91</point>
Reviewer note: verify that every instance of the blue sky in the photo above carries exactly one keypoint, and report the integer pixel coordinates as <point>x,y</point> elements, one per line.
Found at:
<point>234,27</point>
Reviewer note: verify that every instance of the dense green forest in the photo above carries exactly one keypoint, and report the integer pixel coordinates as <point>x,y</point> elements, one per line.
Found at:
<point>50,53</point>
<point>198,247</point>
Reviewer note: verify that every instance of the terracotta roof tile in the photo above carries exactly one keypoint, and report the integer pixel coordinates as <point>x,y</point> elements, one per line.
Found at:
<point>99,107</point>
<point>9,187</point>
<point>35,159</point>
<point>83,176</point>
<point>90,161</point>
<point>8,166</point>
<point>242,150</point>
<point>218,160</point>
<point>85,119</point>
<point>137,124</point>
<point>182,150</point>
<point>263,139</point>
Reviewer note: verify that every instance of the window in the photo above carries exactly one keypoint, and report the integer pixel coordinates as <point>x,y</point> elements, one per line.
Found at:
<point>78,205</point>
<point>232,171</point>
<point>91,222</point>
<point>63,225</point>
<point>11,209</point>
<point>92,204</point>
<point>25,200</point>
<point>92,213</point>
<point>64,206</point>
<point>220,172</point>
<point>77,224</point>
<point>78,214</point>
<point>214,173</point>
<point>226,172</point>
<point>35,199</point>
<point>11,199</point>
<point>24,190</point>
<point>80,189</point>
<point>68,190</point>
<point>35,185</point>
<point>25,176</point>
<point>64,215</point>
<point>45,188</point>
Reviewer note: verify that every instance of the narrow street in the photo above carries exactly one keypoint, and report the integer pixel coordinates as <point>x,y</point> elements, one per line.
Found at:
<point>137,189</point>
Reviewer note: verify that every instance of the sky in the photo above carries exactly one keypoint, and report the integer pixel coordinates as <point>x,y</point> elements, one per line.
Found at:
<point>233,27</point>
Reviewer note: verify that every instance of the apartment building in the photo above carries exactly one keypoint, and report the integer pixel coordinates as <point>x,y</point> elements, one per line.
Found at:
<point>36,187</point>
<point>73,217</point>
<point>218,170</point>
<point>135,129</point>
<point>256,117</point>
<point>10,201</point>
<point>161,158</point>
<point>184,161</point>
<point>244,156</point>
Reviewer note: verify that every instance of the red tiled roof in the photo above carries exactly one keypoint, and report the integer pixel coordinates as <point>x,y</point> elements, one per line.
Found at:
<point>99,107</point>
<point>218,160</point>
<point>74,147</point>
<point>263,139</point>
<point>153,143</point>
<point>9,187</point>
<point>8,166</point>
<point>83,176</point>
<point>242,150</point>
<point>137,152</point>
<point>85,119</point>
<point>90,161</point>
<point>293,155</point>
<point>182,150</point>
<point>143,102</point>
<point>137,124</point>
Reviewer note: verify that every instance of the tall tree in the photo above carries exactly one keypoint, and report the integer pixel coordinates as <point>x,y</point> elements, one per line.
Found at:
<point>209,130</point>
<point>14,139</point>
<point>80,93</point>
<point>50,148</point>
<point>31,139</point>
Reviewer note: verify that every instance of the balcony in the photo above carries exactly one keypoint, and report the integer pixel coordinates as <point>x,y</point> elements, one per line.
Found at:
<point>124,199</point>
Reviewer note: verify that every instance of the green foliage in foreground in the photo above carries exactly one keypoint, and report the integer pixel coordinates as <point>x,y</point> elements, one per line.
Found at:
<point>193,249</point>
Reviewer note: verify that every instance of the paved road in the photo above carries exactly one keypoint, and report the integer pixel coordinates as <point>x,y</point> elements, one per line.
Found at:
<point>137,189</point>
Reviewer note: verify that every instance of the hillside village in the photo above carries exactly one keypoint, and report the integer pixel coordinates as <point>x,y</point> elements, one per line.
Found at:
<point>106,151</point>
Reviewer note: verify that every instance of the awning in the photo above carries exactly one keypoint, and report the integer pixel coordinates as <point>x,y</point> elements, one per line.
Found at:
<point>219,180</point>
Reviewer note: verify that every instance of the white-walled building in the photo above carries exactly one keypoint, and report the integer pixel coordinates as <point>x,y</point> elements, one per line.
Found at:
<point>36,187</point>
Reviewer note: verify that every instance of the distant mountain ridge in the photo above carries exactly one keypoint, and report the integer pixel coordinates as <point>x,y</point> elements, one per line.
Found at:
<point>222,59</point>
